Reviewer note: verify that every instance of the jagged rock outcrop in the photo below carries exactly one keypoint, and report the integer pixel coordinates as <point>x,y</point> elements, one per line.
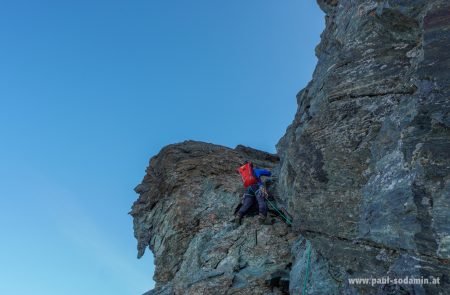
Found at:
<point>364,170</point>
<point>183,213</point>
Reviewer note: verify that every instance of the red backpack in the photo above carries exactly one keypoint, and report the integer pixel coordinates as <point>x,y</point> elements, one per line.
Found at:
<point>248,178</point>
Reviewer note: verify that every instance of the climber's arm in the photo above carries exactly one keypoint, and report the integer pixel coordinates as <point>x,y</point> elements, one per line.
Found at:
<point>262,172</point>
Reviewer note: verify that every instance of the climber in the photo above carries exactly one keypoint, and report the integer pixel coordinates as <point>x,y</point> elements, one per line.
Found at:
<point>251,177</point>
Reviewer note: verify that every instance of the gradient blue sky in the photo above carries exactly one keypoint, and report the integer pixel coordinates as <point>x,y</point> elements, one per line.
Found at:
<point>90,90</point>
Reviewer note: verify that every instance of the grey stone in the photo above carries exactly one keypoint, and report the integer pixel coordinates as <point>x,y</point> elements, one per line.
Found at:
<point>365,166</point>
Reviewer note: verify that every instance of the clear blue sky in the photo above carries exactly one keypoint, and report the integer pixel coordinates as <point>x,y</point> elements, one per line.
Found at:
<point>90,90</point>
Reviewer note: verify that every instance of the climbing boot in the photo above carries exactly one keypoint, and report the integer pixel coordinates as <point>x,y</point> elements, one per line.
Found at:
<point>261,218</point>
<point>237,219</point>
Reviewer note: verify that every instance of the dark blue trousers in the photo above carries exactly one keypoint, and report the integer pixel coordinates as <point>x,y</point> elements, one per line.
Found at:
<point>253,193</point>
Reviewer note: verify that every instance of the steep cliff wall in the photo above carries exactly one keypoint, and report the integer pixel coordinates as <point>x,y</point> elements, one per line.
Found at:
<point>364,169</point>
<point>365,166</point>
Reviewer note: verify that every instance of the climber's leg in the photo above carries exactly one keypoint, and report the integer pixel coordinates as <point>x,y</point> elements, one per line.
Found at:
<point>249,198</point>
<point>262,206</point>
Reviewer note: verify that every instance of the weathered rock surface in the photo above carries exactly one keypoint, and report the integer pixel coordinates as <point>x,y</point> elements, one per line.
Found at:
<point>365,166</point>
<point>364,170</point>
<point>187,199</point>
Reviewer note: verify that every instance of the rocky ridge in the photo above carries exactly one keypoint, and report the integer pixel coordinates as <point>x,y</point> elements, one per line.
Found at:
<point>187,199</point>
<point>364,169</point>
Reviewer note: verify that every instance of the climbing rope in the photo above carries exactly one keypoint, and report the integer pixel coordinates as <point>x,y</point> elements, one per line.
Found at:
<point>274,207</point>
<point>308,248</point>
<point>288,221</point>
<point>307,269</point>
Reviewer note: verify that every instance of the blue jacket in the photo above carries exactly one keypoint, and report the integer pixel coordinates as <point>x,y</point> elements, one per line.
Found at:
<point>261,172</point>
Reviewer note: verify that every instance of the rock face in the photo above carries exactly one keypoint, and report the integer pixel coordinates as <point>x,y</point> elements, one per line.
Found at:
<point>365,166</point>
<point>187,199</point>
<point>364,170</point>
